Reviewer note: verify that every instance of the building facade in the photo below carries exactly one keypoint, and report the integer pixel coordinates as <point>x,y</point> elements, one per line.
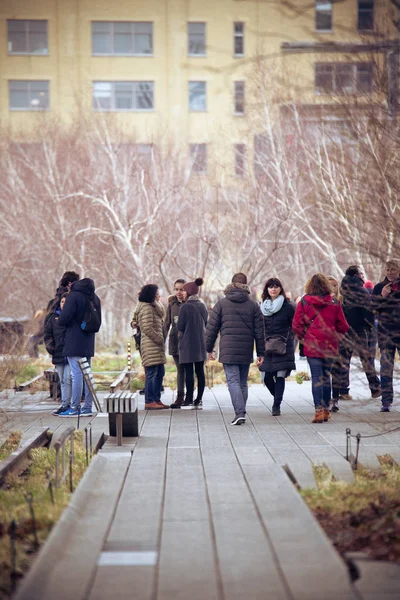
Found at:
<point>196,73</point>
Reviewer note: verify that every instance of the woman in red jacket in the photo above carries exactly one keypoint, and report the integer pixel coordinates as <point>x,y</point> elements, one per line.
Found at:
<point>319,323</point>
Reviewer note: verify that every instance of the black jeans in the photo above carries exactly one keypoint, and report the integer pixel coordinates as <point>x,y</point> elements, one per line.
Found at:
<point>355,342</point>
<point>180,377</point>
<point>201,380</point>
<point>388,353</point>
<point>276,386</point>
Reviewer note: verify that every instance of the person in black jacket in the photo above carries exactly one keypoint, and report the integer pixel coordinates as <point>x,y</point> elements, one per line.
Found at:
<point>191,328</point>
<point>171,319</point>
<point>239,322</point>
<point>357,308</point>
<point>78,343</point>
<point>278,316</point>
<point>54,338</point>
<point>386,296</point>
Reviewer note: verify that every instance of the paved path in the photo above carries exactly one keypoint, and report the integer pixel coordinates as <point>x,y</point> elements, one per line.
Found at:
<point>198,509</point>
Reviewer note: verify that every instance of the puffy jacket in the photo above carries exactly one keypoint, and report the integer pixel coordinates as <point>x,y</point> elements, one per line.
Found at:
<point>280,323</point>
<point>388,312</point>
<point>321,336</point>
<point>171,319</point>
<point>192,328</point>
<point>240,322</point>
<point>77,342</point>
<point>54,338</point>
<point>356,303</point>
<point>150,317</point>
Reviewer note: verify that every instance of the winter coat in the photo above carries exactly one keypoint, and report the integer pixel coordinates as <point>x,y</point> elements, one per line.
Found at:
<point>356,304</point>
<point>191,330</point>
<point>150,318</point>
<point>388,313</point>
<point>54,338</point>
<point>77,342</point>
<point>280,323</point>
<point>240,323</point>
<point>171,319</point>
<point>321,337</point>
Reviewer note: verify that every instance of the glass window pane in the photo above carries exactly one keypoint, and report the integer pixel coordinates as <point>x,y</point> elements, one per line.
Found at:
<point>239,96</point>
<point>144,95</point>
<point>101,38</point>
<point>366,15</point>
<point>123,43</point>
<point>18,94</point>
<point>197,95</point>
<point>323,21</point>
<point>240,159</point>
<point>102,95</point>
<point>39,96</point>
<point>197,38</point>
<point>37,37</point>
<point>239,45</point>
<point>143,38</point>
<point>198,152</point>
<point>123,95</point>
<point>239,27</point>
<point>17,36</point>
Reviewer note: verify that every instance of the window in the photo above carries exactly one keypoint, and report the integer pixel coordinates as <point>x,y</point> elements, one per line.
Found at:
<point>198,153</point>
<point>323,15</point>
<point>123,95</point>
<point>365,15</point>
<point>238,39</point>
<point>27,37</point>
<point>28,95</point>
<point>197,96</point>
<point>240,160</point>
<point>238,90</point>
<point>343,78</point>
<point>196,39</point>
<point>122,38</point>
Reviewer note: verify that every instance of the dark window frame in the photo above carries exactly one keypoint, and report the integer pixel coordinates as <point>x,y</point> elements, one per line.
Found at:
<point>238,36</point>
<point>134,92</point>
<point>365,15</point>
<point>133,26</point>
<point>28,34</point>
<point>239,98</point>
<point>321,13</point>
<point>341,71</point>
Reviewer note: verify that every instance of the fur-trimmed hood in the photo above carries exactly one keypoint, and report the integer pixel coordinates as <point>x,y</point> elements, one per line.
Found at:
<point>237,292</point>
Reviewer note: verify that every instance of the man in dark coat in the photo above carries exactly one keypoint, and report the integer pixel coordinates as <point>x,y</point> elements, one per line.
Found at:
<point>239,321</point>
<point>357,309</point>
<point>386,297</point>
<point>64,286</point>
<point>78,343</point>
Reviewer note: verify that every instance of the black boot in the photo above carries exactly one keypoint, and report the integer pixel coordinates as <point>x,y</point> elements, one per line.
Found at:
<point>276,408</point>
<point>178,402</point>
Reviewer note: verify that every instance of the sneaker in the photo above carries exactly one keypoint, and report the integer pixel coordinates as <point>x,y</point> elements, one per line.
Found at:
<point>376,394</point>
<point>335,406</point>
<point>59,410</point>
<point>198,404</point>
<point>188,405</point>
<point>238,420</point>
<point>385,408</point>
<point>153,406</point>
<point>86,412</point>
<point>70,412</point>
<point>345,397</point>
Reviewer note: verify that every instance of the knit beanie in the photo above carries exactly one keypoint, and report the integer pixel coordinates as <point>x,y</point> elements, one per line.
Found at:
<point>192,287</point>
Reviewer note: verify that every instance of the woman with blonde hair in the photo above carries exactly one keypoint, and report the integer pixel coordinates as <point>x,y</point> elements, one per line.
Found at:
<point>336,363</point>
<point>319,323</point>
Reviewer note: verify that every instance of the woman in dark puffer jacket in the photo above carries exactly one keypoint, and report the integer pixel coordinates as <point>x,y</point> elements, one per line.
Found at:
<point>278,315</point>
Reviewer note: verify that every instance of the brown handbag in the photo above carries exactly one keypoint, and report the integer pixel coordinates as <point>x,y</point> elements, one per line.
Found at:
<point>276,344</point>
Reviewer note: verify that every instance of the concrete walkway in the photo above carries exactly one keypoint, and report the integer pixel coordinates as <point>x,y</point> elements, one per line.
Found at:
<point>196,509</point>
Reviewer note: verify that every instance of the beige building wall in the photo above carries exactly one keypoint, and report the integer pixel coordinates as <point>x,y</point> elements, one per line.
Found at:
<point>71,68</point>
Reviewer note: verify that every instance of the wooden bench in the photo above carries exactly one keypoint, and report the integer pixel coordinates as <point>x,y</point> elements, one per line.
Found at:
<point>89,380</point>
<point>122,409</point>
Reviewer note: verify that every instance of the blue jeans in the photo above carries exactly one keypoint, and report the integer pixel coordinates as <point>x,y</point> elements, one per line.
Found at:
<point>236,378</point>
<point>64,375</point>
<point>152,388</point>
<point>321,380</point>
<point>388,353</point>
<point>78,384</point>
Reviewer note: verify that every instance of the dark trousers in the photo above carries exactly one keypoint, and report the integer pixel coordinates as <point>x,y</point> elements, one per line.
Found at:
<point>152,388</point>
<point>321,381</point>
<point>189,376</point>
<point>276,387</point>
<point>372,340</point>
<point>388,352</point>
<point>180,377</point>
<point>355,342</point>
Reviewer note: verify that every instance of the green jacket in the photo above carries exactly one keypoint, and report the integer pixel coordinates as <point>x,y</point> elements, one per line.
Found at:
<point>149,318</point>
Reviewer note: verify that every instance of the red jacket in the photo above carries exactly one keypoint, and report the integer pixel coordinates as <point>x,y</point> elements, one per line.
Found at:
<point>321,339</point>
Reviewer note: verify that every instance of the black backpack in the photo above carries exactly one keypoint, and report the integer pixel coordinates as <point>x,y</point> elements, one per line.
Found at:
<point>91,320</point>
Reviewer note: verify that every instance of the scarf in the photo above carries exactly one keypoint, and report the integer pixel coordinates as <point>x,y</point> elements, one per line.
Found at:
<point>270,307</point>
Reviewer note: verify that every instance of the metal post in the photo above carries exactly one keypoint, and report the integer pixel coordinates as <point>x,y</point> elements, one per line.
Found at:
<point>13,553</point>
<point>358,436</point>
<point>29,499</point>
<point>348,442</point>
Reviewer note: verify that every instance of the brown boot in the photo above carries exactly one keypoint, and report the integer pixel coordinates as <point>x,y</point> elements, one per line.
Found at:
<point>327,414</point>
<point>319,416</point>
<point>178,402</point>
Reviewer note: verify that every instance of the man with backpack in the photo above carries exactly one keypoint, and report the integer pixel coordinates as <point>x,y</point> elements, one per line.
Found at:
<point>81,316</point>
